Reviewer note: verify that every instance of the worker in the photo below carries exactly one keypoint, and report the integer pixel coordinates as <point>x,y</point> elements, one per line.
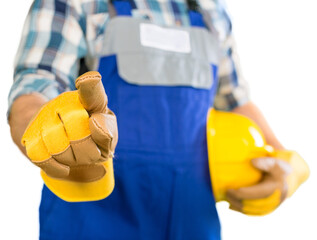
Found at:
<point>163,65</point>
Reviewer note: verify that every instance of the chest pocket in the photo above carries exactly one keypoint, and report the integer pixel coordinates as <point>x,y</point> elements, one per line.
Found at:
<point>151,55</point>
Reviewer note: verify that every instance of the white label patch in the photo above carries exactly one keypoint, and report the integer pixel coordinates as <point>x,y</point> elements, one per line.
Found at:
<point>164,38</point>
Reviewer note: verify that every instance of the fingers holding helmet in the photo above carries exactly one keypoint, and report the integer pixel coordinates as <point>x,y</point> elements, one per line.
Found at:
<point>265,196</point>
<point>252,176</point>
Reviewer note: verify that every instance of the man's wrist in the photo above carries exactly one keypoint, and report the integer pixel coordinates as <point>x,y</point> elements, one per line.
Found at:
<point>22,111</point>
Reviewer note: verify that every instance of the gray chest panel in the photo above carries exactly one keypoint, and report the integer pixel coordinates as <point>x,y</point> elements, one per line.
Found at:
<point>149,65</point>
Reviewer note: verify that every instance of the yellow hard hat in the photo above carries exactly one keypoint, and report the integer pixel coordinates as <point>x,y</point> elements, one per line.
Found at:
<point>233,140</point>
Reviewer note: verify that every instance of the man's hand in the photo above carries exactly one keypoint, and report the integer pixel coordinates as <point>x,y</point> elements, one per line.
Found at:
<point>74,133</point>
<point>280,179</point>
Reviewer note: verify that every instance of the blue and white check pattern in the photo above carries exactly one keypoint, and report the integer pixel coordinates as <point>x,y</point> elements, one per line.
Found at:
<point>58,33</point>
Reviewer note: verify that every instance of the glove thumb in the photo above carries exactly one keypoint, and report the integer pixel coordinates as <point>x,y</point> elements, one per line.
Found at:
<point>92,93</point>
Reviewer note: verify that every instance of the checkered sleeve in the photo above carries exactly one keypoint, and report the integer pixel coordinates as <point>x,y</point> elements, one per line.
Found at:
<point>52,44</point>
<point>232,88</point>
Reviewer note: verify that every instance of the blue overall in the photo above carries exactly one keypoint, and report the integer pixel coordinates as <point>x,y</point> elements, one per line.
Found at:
<point>162,182</point>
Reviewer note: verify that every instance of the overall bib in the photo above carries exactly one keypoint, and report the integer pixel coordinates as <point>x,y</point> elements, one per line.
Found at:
<point>160,82</point>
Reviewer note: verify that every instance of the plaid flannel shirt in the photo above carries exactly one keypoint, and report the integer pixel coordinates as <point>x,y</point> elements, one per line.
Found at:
<point>58,35</point>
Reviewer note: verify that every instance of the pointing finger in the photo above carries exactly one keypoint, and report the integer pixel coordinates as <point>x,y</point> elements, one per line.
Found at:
<point>91,92</point>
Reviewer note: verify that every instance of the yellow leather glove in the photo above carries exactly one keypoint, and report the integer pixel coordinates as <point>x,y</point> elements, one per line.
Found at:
<point>75,134</point>
<point>283,173</point>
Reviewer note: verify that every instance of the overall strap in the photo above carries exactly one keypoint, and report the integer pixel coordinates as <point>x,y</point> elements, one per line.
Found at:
<point>121,7</point>
<point>200,17</point>
<point>195,16</point>
<point>124,8</point>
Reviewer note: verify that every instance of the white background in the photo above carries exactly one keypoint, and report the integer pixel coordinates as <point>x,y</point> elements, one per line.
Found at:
<point>277,46</point>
